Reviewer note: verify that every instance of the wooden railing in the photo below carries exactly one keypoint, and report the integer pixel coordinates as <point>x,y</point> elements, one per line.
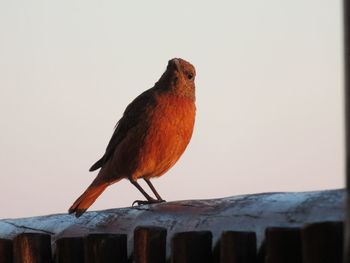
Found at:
<point>313,243</point>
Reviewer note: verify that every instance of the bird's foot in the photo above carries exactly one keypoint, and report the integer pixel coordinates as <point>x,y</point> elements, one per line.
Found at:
<point>147,202</point>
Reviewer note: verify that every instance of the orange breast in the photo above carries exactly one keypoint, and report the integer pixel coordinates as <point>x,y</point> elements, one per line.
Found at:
<point>170,130</point>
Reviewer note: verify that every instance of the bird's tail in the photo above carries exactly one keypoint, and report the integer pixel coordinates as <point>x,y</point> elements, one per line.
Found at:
<point>87,199</point>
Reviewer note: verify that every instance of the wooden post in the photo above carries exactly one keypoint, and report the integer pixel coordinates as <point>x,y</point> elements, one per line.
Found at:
<point>32,248</point>
<point>69,250</point>
<point>5,250</point>
<point>193,246</point>
<point>283,245</point>
<point>150,244</point>
<point>238,247</point>
<point>261,255</point>
<point>323,243</point>
<point>105,248</point>
<point>346,6</point>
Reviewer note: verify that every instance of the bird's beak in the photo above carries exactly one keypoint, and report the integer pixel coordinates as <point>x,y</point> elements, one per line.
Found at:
<point>177,64</point>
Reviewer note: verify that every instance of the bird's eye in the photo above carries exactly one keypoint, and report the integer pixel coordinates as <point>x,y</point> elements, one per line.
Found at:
<point>190,76</point>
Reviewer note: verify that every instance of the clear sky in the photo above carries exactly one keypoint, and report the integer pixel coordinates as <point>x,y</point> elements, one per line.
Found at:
<point>269,96</point>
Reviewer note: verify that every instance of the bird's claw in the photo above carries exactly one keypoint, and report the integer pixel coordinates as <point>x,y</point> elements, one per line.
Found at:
<point>146,202</point>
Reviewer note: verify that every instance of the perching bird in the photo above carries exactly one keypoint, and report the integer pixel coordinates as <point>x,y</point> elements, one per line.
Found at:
<point>150,137</point>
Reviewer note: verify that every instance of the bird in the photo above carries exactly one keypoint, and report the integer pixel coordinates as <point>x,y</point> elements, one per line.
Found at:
<point>149,139</point>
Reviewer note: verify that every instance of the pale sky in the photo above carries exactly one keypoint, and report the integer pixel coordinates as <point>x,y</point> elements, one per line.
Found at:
<point>269,96</point>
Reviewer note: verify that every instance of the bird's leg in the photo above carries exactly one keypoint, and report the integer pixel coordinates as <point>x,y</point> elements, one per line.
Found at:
<point>148,181</point>
<point>150,200</point>
<point>136,184</point>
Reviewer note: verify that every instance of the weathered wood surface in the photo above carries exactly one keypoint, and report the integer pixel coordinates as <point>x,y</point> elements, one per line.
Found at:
<point>254,213</point>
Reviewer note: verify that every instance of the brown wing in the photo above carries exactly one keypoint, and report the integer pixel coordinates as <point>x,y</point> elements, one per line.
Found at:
<point>134,113</point>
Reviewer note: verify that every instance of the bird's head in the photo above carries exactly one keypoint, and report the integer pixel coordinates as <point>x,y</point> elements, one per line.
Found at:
<point>179,78</point>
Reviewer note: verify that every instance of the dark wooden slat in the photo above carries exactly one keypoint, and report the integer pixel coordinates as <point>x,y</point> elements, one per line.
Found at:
<point>32,248</point>
<point>105,248</point>
<point>323,243</point>
<point>238,247</point>
<point>69,250</point>
<point>150,244</point>
<point>5,250</point>
<point>193,246</point>
<point>261,252</point>
<point>283,245</point>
